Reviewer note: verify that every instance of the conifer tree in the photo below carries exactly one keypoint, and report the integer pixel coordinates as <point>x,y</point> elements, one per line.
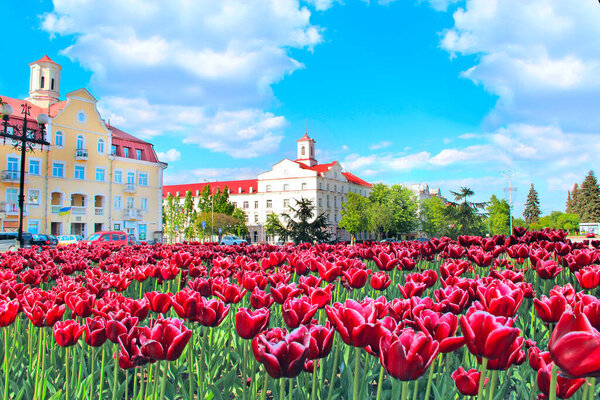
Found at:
<point>575,200</point>
<point>569,207</point>
<point>532,211</point>
<point>589,199</point>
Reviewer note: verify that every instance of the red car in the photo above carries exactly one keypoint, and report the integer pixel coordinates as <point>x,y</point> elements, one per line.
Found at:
<point>106,237</point>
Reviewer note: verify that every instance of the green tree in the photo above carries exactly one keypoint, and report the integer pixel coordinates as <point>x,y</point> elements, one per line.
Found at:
<point>532,206</point>
<point>433,216</point>
<point>568,222</point>
<point>464,214</point>
<point>304,225</point>
<point>189,217</point>
<point>589,199</point>
<point>173,220</point>
<point>354,217</point>
<point>574,207</point>
<point>379,219</point>
<point>519,222</point>
<point>227,223</point>
<point>402,205</point>
<point>274,227</point>
<point>499,216</point>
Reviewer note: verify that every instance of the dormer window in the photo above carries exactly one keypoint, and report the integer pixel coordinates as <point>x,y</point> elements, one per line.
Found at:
<point>240,190</point>
<point>138,154</point>
<point>251,190</point>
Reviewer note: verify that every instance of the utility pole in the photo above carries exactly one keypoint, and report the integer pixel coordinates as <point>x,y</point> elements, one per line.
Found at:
<point>510,189</point>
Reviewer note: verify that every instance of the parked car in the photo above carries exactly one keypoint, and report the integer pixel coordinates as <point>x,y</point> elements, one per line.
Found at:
<point>64,240</point>
<point>7,242</point>
<point>231,240</point>
<point>388,240</point>
<point>42,239</point>
<point>105,237</point>
<point>422,239</point>
<point>27,238</point>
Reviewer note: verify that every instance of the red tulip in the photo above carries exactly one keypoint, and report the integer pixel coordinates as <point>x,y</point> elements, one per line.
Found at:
<point>407,355</point>
<point>357,278</point>
<point>451,299</point>
<point>501,299</point>
<point>67,333</point>
<point>487,335</point>
<point>80,303</point>
<point>283,358</point>
<point>321,296</point>
<point>118,327</point>
<point>548,269</point>
<point>321,341</point>
<point>467,382</point>
<point>411,289</point>
<point>565,387</point>
<point>8,312</point>
<point>165,339</point>
<point>588,277</point>
<point>550,309</point>
<point>130,350</point>
<point>231,294</point>
<point>44,313</point>
<point>259,299</point>
<point>385,262</point>
<point>538,359</point>
<point>442,328</point>
<point>514,354</point>
<point>575,346</point>
<point>355,322</point>
<point>380,281</point>
<point>95,331</point>
<point>328,271</point>
<point>211,312</point>
<point>250,323</point>
<point>159,302</point>
<point>298,311</point>
<point>185,303</point>
<point>282,292</point>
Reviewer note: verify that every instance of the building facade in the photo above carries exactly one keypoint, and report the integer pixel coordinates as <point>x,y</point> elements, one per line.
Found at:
<point>91,177</point>
<point>275,191</point>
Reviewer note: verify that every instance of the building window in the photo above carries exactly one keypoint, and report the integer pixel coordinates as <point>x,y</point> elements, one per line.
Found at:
<point>79,172</point>
<point>100,146</point>
<point>33,197</point>
<point>117,227</point>
<point>58,139</point>
<point>130,202</point>
<point>117,203</point>
<point>304,185</point>
<point>12,164</point>
<point>302,150</point>
<point>33,226</point>
<point>131,178</point>
<point>144,203</point>
<point>246,217</point>
<point>143,179</point>
<point>138,154</point>
<point>234,204</point>
<point>58,170</point>
<point>320,203</point>
<point>256,204</point>
<point>34,167</point>
<point>286,203</point>
<point>286,187</point>
<point>268,188</point>
<point>100,174</point>
<point>80,143</point>
<point>113,150</point>
<point>246,205</point>
<point>118,176</point>
<point>256,218</point>
<point>327,200</point>
<point>269,203</point>
<point>12,197</point>
<point>52,84</point>
<point>126,152</point>
<point>42,81</point>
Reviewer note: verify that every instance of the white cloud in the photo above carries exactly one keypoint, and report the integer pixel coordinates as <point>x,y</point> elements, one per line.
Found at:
<point>322,5</point>
<point>206,66</point>
<point>380,145</point>
<point>169,155</point>
<point>209,174</point>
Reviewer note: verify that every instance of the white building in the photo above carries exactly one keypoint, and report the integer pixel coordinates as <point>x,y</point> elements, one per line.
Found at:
<point>274,191</point>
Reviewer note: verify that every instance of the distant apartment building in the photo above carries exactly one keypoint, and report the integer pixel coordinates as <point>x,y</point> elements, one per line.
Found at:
<point>275,191</point>
<point>91,177</point>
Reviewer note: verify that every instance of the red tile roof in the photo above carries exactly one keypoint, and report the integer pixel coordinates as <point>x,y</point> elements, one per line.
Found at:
<point>34,111</point>
<point>193,187</point>
<point>356,180</point>
<point>305,138</point>
<point>122,139</point>
<point>44,59</point>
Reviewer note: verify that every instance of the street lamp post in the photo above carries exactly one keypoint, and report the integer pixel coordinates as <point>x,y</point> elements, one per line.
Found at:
<point>212,211</point>
<point>23,139</point>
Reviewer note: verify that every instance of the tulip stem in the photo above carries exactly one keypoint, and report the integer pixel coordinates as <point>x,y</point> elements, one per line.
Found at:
<point>492,385</point>
<point>333,372</point>
<point>356,373</point>
<point>281,388</point>
<point>404,390</point>
<point>429,380</point>
<point>416,390</point>
<point>484,362</point>
<point>291,389</point>
<point>67,373</point>
<point>101,373</point>
<point>191,366</point>
<point>115,374</point>
<point>553,377</point>
<point>379,383</point>
<point>142,382</point>
<point>592,388</point>
<point>313,392</point>
<point>163,382</point>
<point>93,361</point>
<point>6,363</point>
<point>245,372</point>
<point>263,392</point>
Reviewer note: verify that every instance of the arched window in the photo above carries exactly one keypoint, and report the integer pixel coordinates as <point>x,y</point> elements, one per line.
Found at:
<point>80,143</point>
<point>304,185</point>
<point>42,82</point>
<point>302,150</point>
<point>100,146</point>
<point>52,84</point>
<point>58,139</point>
<point>268,189</point>
<point>286,187</point>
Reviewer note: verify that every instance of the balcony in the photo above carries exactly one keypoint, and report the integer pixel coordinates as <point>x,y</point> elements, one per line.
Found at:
<point>9,176</point>
<point>133,214</point>
<point>78,210</point>
<point>81,154</point>
<point>13,209</point>
<point>98,211</point>
<point>129,188</point>
<point>55,210</point>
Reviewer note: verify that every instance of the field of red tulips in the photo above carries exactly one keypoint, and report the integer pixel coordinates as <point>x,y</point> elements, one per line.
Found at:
<point>506,317</point>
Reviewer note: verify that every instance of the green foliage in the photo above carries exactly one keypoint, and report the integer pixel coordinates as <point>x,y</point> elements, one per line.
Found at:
<point>218,202</point>
<point>499,216</point>
<point>354,217</point>
<point>215,221</point>
<point>401,205</point>
<point>532,206</point>
<point>274,227</point>
<point>189,217</point>
<point>241,229</point>
<point>303,226</point>
<point>558,220</point>
<point>464,214</point>
<point>433,216</point>
<point>589,199</point>
<point>379,219</point>
<point>173,217</point>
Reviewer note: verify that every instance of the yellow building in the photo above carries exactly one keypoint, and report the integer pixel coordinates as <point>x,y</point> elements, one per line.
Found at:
<point>92,177</point>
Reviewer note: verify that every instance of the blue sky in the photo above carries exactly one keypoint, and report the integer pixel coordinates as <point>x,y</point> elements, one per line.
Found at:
<point>446,92</point>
